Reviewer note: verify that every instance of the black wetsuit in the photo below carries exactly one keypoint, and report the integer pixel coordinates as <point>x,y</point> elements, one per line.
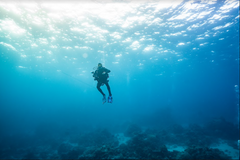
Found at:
<point>102,79</point>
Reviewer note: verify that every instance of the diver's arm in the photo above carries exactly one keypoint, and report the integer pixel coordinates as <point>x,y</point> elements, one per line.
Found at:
<point>107,70</point>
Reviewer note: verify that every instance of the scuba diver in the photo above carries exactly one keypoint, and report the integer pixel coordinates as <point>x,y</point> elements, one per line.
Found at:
<point>101,75</point>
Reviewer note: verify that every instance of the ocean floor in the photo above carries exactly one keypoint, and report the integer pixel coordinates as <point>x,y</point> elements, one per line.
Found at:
<point>224,147</point>
<point>227,149</point>
<point>217,139</point>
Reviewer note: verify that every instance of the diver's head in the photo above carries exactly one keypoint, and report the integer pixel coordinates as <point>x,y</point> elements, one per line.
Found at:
<point>99,65</point>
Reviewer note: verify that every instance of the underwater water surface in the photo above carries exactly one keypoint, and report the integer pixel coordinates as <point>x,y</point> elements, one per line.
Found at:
<point>174,79</point>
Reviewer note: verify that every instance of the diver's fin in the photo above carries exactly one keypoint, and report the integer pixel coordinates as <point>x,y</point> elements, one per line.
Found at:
<point>104,99</point>
<point>110,99</point>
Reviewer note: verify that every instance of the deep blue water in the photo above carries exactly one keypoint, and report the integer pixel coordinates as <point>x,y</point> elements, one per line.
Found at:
<point>169,64</point>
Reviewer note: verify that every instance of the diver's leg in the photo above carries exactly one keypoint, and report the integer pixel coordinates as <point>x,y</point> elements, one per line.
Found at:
<point>108,87</point>
<point>99,89</point>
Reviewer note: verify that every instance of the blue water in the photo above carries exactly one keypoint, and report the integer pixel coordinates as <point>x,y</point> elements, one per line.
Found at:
<point>170,63</point>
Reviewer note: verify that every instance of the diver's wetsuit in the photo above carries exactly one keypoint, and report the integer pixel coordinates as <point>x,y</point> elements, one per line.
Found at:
<point>102,79</point>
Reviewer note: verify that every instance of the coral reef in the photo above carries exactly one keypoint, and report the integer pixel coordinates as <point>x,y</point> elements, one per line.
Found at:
<point>202,153</point>
<point>134,143</point>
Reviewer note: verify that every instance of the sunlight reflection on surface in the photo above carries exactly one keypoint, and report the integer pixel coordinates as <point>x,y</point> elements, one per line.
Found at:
<point>95,30</point>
